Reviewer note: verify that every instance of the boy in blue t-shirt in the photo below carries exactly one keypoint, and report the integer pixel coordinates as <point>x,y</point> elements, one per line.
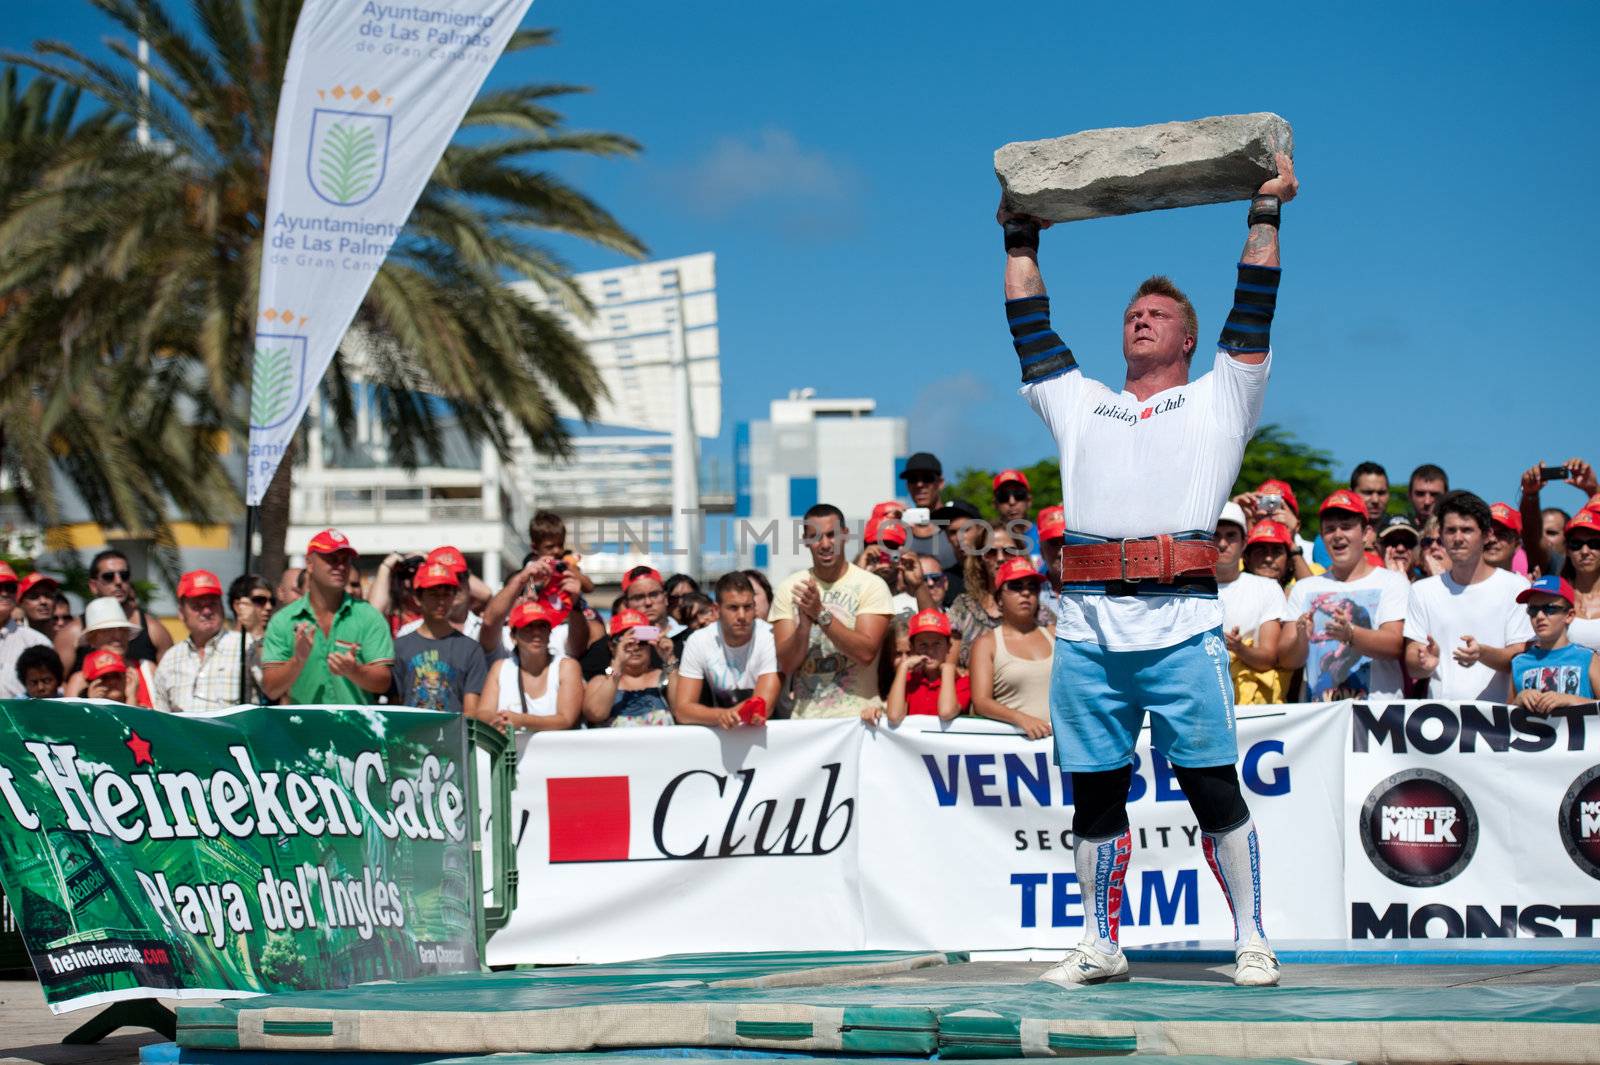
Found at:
<point>1553,673</point>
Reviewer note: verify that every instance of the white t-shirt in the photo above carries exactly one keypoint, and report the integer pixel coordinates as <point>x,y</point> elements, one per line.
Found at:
<point>729,673</point>
<point>1585,632</point>
<point>1487,611</point>
<point>1132,469</point>
<point>1334,670</point>
<point>1247,601</point>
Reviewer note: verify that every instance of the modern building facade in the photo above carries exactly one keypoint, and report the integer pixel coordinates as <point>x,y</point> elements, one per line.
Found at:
<point>811,450</point>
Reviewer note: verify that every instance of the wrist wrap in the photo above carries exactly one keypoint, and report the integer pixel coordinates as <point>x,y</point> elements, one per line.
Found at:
<point>1042,353</point>
<point>1022,234</point>
<point>1264,211</point>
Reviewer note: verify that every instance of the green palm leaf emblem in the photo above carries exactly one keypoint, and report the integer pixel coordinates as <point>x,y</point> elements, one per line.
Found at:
<point>348,162</point>
<point>272,387</point>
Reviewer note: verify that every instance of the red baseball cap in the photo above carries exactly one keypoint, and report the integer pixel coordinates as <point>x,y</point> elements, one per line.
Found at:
<point>1016,569</point>
<point>887,531</point>
<point>531,611</point>
<point>1271,532</point>
<point>103,663</point>
<point>7,574</point>
<point>197,583</point>
<point>1550,584</point>
<point>880,509</point>
<point>623,620</point>
<point>1052,523</point>
<point>1507,515</point>
<point>435,575</point>
<point>33,580</point>
<point>329,542</point>
<point>641,573</point>
<point>1344,500</point>
<point>1587,519</point>
<point>449,556</point>
<point>929,621</point>
<point>1007,476</point>
<point>1281,488</point>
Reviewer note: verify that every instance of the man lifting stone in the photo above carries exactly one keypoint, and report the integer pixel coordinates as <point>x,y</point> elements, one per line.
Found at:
<point>1145,472</point>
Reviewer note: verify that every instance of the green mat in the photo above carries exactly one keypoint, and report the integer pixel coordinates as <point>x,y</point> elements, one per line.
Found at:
<point>723,1003</point>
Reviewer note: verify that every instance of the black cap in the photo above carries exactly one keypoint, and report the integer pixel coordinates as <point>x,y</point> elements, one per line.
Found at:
<point>922,462</point>
<point>956,508</point>
<point>1397,523</point>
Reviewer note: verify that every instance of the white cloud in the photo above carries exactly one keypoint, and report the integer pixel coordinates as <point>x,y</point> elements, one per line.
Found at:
<point>770,169</point>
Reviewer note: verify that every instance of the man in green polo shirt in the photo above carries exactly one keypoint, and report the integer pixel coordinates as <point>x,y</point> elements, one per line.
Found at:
<point>327,647</point>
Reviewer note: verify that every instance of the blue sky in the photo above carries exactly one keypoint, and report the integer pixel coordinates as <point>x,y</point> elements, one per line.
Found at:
<point>837,158</point>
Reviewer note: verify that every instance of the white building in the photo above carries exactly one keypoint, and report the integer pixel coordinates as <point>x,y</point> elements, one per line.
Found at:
<point>654,339</point>
<point>810,451</point>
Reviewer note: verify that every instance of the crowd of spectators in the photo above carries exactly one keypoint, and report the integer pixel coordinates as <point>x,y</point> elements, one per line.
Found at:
<point>928,609</point>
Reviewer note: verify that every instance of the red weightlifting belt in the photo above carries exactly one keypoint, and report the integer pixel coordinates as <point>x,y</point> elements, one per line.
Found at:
<point>1160,558</point>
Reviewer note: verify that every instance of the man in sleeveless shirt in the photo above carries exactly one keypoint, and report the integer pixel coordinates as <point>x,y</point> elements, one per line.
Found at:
<point>1145,472</point>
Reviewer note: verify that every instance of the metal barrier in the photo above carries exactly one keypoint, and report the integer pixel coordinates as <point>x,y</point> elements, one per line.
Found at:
<point>502,756</point>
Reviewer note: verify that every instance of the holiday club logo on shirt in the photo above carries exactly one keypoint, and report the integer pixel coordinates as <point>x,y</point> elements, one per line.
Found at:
<point>1127,415</point>
<point>347,156</point>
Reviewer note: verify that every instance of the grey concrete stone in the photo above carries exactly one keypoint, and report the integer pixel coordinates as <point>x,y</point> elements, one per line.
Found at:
<point>1103,172</point>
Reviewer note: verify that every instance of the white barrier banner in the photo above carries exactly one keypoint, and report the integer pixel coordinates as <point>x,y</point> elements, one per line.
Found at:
<point>967,837</point>
<point>837,836</point>
<point>645,841</point>
<point>1468,819</point>
<point>372,94</point>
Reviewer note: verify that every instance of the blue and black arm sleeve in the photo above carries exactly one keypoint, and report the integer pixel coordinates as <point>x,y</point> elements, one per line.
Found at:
<point>1249,326</point>
<point>1042,353</point>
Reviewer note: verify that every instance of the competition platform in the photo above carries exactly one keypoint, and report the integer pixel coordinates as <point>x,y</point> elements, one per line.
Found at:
<point>1481,1000</point>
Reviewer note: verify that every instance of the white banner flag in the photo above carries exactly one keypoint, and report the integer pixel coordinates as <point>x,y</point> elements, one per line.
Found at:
<point>372,93</point>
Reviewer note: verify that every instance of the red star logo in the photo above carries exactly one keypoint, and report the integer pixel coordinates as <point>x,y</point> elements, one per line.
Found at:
<point>141,750</point>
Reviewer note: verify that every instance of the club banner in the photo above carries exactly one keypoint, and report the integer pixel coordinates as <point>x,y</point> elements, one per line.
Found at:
<point>637,842</point>
<point>836,836</point>
<point>372,93</point>
<point>1472,820</point>
<point>254,850</point>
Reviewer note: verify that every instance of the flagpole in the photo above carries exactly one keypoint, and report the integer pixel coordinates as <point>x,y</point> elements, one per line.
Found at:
<point>244,652</point>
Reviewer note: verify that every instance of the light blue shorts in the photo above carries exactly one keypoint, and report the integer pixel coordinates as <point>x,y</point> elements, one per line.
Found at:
<point>1098,699</point>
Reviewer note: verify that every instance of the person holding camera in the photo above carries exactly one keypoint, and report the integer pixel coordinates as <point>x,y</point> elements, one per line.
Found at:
<point>636,687</point>
<point>1541,557</point>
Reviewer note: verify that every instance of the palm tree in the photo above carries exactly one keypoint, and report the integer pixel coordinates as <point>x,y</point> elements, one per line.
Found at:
<point>68,401</point>
<point>168,249</point>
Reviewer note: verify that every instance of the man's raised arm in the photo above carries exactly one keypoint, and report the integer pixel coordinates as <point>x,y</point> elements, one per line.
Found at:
<point>1246,334</point>
<point>1042,353</point>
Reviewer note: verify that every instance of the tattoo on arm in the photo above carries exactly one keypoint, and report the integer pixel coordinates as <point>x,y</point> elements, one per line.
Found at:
<point>1261,246</point>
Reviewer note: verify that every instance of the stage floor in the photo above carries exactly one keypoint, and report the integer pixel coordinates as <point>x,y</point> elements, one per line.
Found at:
<point>1518,1000</point>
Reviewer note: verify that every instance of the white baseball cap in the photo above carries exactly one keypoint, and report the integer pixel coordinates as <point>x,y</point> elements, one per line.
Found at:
<point>1233,512</point>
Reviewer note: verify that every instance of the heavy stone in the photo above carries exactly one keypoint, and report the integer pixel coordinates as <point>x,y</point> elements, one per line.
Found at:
<point>1103,172</point>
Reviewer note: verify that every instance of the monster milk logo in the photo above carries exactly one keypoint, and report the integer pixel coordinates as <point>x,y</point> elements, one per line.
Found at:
<point>278,374</point>
<point>348,152</point>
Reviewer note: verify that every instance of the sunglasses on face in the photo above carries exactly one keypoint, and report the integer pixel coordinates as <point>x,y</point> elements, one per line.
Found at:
<point>1404,542</point>
<point>113,576</point>
<point>8,590</point>
<point>1587,543</point>
<point>1019,585</point>
<point>1550,610</point>
<point>1010,495</point>
<point>920,478</point>
<point>936,578</point>
<point>646,597</point>
<point>260,600</point>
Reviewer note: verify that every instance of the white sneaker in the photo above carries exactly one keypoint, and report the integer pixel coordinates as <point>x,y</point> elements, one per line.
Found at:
<point>1086,965</point>
<point>1255,965</point>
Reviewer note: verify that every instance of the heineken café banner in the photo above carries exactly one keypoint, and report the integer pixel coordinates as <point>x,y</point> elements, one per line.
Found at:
<point>145,854</point>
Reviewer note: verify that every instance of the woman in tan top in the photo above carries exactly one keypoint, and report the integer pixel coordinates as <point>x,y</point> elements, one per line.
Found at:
<point>1011,662</point>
